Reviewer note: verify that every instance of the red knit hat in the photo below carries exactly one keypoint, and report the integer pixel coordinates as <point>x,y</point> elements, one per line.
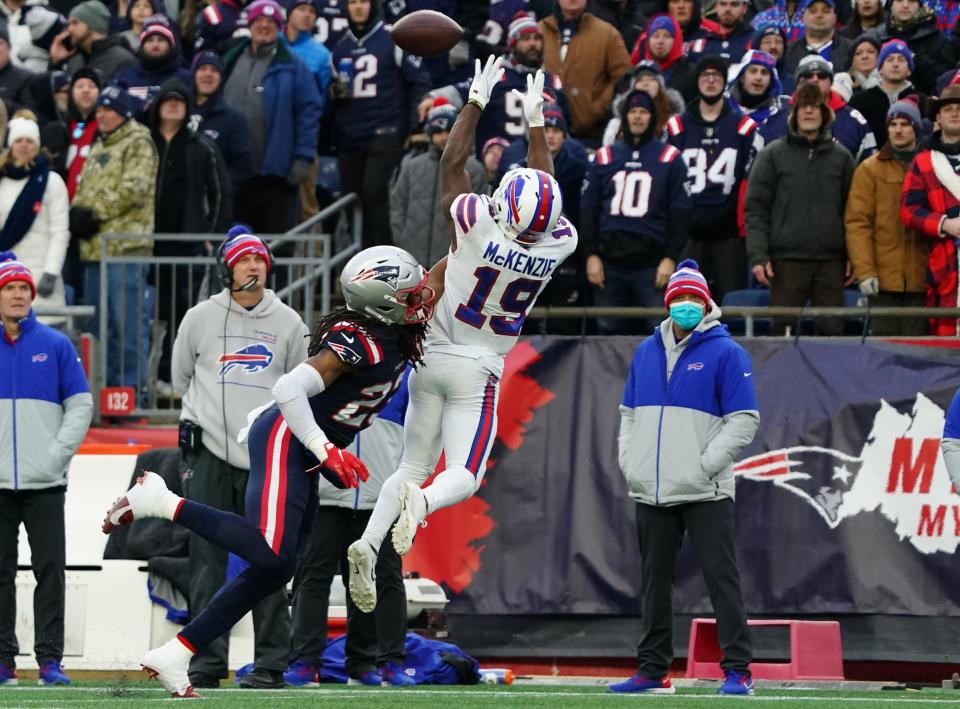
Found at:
<point>687,279</point>
<point>13,270</point>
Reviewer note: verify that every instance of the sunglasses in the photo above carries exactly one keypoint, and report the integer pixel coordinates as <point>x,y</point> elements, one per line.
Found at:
<point>819,75</point>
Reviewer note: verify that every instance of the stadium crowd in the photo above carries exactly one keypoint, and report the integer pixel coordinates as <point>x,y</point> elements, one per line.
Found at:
<point>677,130</point>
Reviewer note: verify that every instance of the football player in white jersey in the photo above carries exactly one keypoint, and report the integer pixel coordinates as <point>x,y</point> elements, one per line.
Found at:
<point>503,251</point>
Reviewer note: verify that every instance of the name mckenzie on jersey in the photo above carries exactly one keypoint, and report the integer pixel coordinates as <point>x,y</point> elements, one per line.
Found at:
<point>899,473</point>
<point>519,262</point>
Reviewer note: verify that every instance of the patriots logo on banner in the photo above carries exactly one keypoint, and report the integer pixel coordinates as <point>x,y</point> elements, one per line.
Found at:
<point>250,359</point>
<point>387,274</point>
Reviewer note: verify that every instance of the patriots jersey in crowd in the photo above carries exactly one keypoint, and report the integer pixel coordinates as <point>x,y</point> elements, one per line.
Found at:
<point>503,115</point>
<point>636,188</point>
<point>385,82</point>
<point>718,155</point>
<point>502,13</point>
<point>354,398</point>
<point>492,282</point>
<point>216,25</point>
<point>731,47</point>
<point>331,22</point>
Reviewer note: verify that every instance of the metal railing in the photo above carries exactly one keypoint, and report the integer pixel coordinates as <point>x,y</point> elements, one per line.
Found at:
<point>142,298</point>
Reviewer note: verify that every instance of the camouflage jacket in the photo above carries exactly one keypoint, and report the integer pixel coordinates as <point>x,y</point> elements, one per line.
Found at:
<point>118,183</point>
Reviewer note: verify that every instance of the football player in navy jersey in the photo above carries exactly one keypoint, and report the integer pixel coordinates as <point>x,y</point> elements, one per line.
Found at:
<point>356,360</point>
<point>503,116</point>
<point>634,215</point>
<point>718,145</point>
<point>375,87</point>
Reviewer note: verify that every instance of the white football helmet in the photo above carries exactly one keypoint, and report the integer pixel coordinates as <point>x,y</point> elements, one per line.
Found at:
<point>388,284</point>
<point>527,204</point>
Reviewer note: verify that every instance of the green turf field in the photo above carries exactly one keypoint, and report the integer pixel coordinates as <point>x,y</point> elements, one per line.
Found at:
<point>136,692</point>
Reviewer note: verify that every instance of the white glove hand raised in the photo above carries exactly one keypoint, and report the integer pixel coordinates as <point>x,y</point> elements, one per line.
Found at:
<point>533,100</point>
<point>484,79</point>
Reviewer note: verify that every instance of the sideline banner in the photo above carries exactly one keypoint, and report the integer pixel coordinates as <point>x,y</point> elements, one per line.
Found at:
<point>843,501</point>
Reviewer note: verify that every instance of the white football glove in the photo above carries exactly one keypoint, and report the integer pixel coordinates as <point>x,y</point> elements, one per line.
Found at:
<point>870,286</point>
<point>533,100</point>
<point>484,79</point>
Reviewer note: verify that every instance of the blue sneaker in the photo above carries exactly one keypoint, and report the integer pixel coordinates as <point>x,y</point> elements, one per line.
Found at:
<point>244,671</point>
<point>638,684</point>
<point>735,683</point>
<point>371,678</point>
<point>301,674</point>
<point>51,673</point>
<point>8,675</point>
<point>396,676</point>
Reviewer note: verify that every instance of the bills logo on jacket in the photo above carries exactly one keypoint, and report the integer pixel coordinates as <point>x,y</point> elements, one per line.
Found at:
<point>250,359</point>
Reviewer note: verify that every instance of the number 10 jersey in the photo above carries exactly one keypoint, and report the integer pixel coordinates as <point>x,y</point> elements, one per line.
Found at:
<point>491,282</point>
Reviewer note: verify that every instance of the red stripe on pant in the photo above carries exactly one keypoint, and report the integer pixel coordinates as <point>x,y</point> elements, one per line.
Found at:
<point>482,437</point>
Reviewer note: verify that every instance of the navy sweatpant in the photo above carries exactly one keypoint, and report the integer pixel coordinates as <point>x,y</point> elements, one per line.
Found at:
<point>269,536</point>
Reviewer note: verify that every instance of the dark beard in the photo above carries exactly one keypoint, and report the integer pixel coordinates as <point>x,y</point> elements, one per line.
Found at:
<point>154,63</point>
<point>528,61</point>
<point>710,100</point>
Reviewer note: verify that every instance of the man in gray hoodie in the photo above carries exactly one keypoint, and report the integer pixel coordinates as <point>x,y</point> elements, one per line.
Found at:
<point>229,352</point>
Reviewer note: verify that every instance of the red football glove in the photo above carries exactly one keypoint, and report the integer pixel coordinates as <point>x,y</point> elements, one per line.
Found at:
<point>343,469</point>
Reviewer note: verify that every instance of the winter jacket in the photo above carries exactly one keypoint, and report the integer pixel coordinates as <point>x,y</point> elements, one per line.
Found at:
<point>680,435</point>
<point>679,72</point>
<point>925,203</point>
<point>417,222</point>
<point>292,106</point>
<point>226,360</point>
<point>596,58</point>
<point>44,247</point>
<point>45,407</point>
<point>228,128</point>
<point>118,184</point>
<point>840,54</point>
<point>145,83</point>
<point>932,53</point>
<point>15,87</point>
<point>316,56</point>
<point>796,195</point>
<point>873,104</point>
<point>109,56</point>
<point>878,243</point>
<point>32,29</point>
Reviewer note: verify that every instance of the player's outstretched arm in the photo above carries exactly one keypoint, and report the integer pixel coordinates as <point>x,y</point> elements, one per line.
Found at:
<point>538,154</point>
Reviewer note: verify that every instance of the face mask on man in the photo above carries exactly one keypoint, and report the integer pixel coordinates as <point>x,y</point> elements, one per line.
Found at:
<point>686,315</point>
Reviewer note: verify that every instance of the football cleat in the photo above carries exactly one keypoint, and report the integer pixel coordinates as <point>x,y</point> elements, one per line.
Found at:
<point>149,497</point>
<point>362,561</point>
<point>168,664</point>
<point>413,511</point>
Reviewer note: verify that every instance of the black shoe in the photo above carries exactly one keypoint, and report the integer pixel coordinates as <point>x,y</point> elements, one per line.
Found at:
<point>262,679</point>
<point>201,680</point>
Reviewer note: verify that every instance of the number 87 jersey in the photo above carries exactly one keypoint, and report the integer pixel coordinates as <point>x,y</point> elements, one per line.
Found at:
<point>492,281</point>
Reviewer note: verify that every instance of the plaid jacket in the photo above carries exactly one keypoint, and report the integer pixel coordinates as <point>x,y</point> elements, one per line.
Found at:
<point>924,203</point>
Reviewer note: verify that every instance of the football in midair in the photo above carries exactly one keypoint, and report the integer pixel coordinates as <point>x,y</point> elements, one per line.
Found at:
<point>426,33</point>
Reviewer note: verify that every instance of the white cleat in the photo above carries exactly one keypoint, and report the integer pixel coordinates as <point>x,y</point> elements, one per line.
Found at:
<point>363,581</point>
<point>169,664</point>
<point>413,512</point>
<point>149,497</point>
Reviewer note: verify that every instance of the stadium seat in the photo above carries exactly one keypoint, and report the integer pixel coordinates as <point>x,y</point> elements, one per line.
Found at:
<point>815,651</point>
<point>748,297</point>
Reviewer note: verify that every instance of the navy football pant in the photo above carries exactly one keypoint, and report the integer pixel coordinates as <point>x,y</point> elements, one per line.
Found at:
<point>268,537</point>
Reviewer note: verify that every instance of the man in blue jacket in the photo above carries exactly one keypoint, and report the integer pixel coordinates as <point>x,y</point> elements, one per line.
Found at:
<point>45,411</point>
<point>688,409</point>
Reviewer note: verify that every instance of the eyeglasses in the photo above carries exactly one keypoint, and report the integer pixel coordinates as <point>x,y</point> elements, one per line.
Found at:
<point>818,75</point>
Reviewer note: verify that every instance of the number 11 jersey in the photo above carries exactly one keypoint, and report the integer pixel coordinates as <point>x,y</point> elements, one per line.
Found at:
<point>491,282</point>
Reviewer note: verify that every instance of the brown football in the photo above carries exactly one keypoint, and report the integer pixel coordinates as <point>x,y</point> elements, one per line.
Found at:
<point>426,33</point>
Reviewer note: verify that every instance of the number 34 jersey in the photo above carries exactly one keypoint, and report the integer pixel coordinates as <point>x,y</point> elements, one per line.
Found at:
<point>491,282</point>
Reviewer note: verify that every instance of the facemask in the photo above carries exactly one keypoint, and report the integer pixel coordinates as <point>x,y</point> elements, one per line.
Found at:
<point>686,315</point>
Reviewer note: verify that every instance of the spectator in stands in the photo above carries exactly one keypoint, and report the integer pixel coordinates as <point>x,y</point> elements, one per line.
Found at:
<point>773,41</point>
<point>896,64</point>
<point>220,121</point>
<point>732,39</point>
<point>931,205</point>
<point>89,43</point>
<point>34,211</point>
<point>755,88</point>
<point>662,44</point>
<point>491,153</point>
<point>696,29</point>
<point>867,15</point>
<point>820,38</point>
<point>32,27</point>
<point>788,22</point>
<point>47,413</point>
<point>796,195</point>
<point>138,12</point>
<point>216,24</point>
<point>266,82</point>
<point>668,102</point>
<point>301,24</point>
<point>589,57</point>
<point>14,80</point>
<point>889,260</point>
<point>115,195</point>
<point>158,61</point>
<point>676,452</point>
<point>417,220</point>
<point>634,215</point>
<point>374,640</point>
<point>371,112</point>
<point>718,145</point>
<point>628,17</point>
<point>916,24</point>
<point>248,318</point>
<point>863,73</point>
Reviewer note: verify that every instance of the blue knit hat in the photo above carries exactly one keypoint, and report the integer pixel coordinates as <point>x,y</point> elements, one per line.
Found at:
<point>661,22</point>
<point>895,46</point>
<point>118,100</point>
